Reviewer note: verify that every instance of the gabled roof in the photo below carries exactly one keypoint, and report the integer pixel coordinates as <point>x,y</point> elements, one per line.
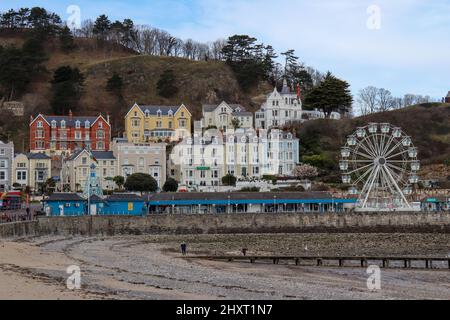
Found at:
<point>70,121</point>
<point>448,94</point>
<point>99,155</point>
<point>233,106</point>
<point>64,197</point>
<point>153,109</point>
<point>95,198</point>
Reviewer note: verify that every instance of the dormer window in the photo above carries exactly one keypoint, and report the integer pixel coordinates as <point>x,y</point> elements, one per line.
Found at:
<point>77,124</point>
<point>147,113</point>
<point>63,124</point>
<point>170,113</point>
<point>87,124</point>
<point>53,124</point>
<point>159,113</point>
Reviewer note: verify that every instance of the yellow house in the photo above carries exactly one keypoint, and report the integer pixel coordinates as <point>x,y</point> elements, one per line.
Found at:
<point>153,123</point>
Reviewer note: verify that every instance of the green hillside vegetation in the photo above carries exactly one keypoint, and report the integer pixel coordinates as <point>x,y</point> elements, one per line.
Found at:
<point>427,124</point>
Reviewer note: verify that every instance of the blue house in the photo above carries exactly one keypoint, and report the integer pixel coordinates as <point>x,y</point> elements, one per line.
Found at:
<point>124,204</point>
<point>64,204</point>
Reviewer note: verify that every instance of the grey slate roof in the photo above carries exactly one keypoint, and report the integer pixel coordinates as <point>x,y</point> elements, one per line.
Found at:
<point>64,197</point>
<point>104,155</point>
<point>153,110</point>
<point>70,122</point>
<point>95,198</point>
<point>212,107</point>
<point>240,196</point>
<point>99,155</point>
<point>124,197</point>
<point>38,156</point>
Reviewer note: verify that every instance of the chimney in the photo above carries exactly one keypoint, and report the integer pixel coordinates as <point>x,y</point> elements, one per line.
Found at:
<point>70,114</point>
<point>107,118</point>
<point>31,118</point>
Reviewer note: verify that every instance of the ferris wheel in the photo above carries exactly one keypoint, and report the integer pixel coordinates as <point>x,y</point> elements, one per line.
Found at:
<point>380,163</point>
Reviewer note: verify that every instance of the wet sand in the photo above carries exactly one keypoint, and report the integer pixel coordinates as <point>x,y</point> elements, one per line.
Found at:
<point>150,267</point>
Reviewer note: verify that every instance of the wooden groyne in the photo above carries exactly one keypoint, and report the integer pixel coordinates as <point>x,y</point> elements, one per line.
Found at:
<point>431,263</point>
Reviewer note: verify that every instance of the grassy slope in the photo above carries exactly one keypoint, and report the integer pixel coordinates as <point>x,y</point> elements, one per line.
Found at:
<point>428,125</point>
<point>198,82</point>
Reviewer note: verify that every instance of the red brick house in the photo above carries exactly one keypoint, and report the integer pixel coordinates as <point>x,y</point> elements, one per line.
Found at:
<point>58,134</point>
<point>447,98</point>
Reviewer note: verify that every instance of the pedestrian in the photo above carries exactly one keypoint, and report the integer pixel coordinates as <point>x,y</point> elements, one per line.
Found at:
<point>244,251</point>
<point>28,213</point>
<point>183,248</point>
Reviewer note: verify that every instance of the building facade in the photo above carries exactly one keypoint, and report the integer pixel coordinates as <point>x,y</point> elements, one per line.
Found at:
<point>66,134</point>
<point>32,170</point>
<point>447,98</point>
<point>226,116</point>
<point>285,107</point>
<point>148,158</point>
<point>198,162</point>
<point>157,123</point>
<point>6,165</point>
<point>78,168</point>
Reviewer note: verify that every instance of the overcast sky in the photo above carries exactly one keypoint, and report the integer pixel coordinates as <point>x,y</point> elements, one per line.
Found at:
<point>401,45</point>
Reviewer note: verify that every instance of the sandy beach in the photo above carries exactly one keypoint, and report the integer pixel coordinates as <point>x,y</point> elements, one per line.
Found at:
<point>150,267</point>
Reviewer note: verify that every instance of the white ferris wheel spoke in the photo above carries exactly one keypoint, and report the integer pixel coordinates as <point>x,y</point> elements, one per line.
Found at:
<point>360,168</point>
<point>370,186</point>
<point>369,146</point>
<point>363,176</point>
<point>386,148</point>
<point>397,154</point>
<point>397,187</point>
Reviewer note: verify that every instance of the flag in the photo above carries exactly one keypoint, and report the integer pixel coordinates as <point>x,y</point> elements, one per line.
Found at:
<point>298,91</point>
<point>93,158</point>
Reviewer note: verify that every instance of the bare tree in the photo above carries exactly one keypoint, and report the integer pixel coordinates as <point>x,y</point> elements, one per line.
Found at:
<point>385,100</point>
<point>367,100</point>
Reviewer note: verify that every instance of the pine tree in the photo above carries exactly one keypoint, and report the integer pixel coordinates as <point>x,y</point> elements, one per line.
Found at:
<point>66,39</point>
<point>332,95</point>
<point>67,86</point>
<point>166,85</point>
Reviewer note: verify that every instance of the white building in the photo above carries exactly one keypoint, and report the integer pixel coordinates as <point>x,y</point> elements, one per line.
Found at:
<point>285,107</point>
<point>76,169</point>
<point>200,162</point>
<point>224,115</point>
<point>148,158</point>
<point>6,165</point>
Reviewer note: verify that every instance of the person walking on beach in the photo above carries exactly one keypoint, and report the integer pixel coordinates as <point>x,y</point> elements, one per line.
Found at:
<point>183,248</point>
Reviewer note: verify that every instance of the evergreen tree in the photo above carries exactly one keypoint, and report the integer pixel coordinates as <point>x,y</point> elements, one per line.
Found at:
<point>141,182</point>
<point>166,85</point>
<point>66,39</point>
<point>332,95</point>
<point>102,26</point>
<point>251,62</point>
<point>67,86</point>
<point>171,185</point>
<point>115,85</point>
